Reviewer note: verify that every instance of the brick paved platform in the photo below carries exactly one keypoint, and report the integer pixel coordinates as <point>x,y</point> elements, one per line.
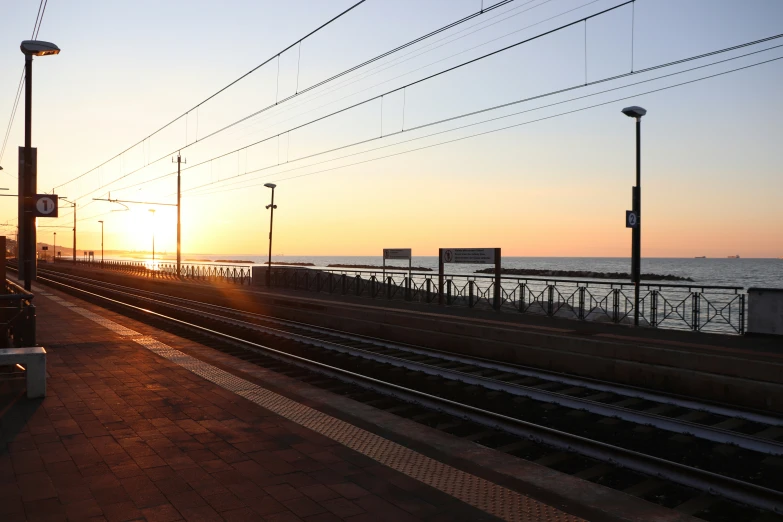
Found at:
<point>141,424</point>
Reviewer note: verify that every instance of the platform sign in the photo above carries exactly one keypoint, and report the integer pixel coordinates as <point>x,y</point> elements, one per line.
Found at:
<point>476,256</point>
<point>46,205</point>
<point>631,219</point>
<point>397,253</point>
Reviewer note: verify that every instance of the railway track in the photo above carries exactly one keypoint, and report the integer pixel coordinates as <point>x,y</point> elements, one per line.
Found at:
<point>667,449</point>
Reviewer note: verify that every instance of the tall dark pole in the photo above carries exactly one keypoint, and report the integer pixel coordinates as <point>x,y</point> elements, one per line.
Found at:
<point>635,224</point>
<point>271,219</point>
<point>637,230</point>
<point>54,254</point>
<point>101,222</point>
<point>74,233</point>
<point>179,222</point>
<point>153,241</point>
<point>29,229</point>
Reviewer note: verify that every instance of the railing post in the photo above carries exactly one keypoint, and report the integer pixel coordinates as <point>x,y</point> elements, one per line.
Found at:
<point>616,305</point>
<point>550,300</point>
<point>470,294</point>
<point>742,314</point>
<point>448,292</point>
<point>696,311</point>
<point>522,297</point>
<point>654,308</point>
<point>407,288</point>
<point>428,298</point>
<point>581,313</point>
<point>344,284</point>
<point>358,284</point>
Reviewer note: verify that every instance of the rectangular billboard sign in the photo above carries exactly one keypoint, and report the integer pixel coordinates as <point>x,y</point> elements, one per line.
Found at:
<point>397,253</point>
<point>478,256</point>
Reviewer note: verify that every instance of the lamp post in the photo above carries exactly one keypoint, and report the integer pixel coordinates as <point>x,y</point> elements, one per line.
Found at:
<point>54,253</point>
<point>153,240</point>
<point>27,181</point>
<point>101,222</point>
<point>271,206</point>
<point>636,241</point>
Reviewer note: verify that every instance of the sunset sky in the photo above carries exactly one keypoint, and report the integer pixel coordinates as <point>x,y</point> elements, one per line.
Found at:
<point>712,170</point>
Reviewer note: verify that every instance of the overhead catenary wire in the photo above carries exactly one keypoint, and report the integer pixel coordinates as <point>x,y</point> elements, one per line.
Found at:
<point>276,104</point>
<point>388,66</point>
<point>39,19</point>
<point>635,95</point>
<point>277,56</point>
<point>400,88</point>
<point>488,109</point>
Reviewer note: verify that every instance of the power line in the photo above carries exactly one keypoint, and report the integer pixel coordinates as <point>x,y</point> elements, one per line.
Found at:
<point>369,100</point>
<point>299,93</point>
<point>488,109</point>
<point>403,59</point>
<point>11,117</point>
<point>40,20</point>
<point>507,127</point>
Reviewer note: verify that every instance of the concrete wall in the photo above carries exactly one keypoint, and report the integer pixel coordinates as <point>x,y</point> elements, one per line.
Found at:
<point>765,311</point>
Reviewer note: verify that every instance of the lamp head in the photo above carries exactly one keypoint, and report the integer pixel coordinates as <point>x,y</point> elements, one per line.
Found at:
<point>270,185</point>
<point>100,221</point>
<point>634,112</point>
<point>38,48</point>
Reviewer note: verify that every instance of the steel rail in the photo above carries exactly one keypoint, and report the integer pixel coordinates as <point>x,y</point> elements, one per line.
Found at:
<point>737,490</point>
<point>522,371</point>
<point>721,436</point>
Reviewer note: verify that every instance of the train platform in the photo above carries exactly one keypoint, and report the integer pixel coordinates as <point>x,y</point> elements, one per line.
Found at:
<point>140,424</point>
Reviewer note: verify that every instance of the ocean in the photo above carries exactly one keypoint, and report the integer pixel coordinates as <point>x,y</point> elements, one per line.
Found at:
<point>746,273</point>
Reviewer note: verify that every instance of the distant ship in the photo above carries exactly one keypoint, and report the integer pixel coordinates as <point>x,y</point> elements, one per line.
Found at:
<point>700,257</point>
<point>734,257</point>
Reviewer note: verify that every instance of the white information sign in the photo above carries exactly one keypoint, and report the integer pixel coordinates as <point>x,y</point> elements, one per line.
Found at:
<point>397,253</point>
<point>45,205</point>
<point>478,256</point>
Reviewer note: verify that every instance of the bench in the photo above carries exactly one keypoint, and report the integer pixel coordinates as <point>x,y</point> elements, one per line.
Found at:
<point>34,362</point>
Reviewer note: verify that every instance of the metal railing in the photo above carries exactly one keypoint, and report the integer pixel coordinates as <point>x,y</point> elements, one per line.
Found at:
<point>240,275</point>
<point>719,309</point>
<point>17,317</point>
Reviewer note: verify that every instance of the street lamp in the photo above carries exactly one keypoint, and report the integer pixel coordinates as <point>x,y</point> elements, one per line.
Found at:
<point>636,241</point>
<point>54,253</point>
<point>101,222</point>
<point>271,206</point>
<point>153,240</point>
<point>27,181</point>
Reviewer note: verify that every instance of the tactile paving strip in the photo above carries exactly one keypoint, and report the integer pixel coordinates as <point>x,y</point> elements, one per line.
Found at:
<point>476,491</point>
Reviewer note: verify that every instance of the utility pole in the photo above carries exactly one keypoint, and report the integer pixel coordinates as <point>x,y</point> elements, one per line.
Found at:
<point>74,233</point>
<point>271,206</point>
<point>180,161</point>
